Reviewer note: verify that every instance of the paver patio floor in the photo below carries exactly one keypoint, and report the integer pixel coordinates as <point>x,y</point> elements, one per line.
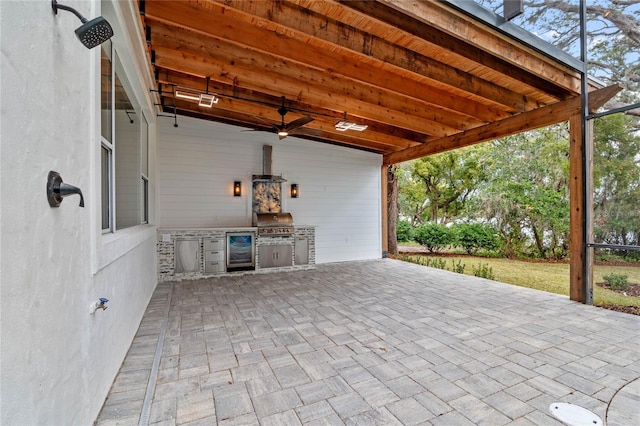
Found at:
<point>377,342</point>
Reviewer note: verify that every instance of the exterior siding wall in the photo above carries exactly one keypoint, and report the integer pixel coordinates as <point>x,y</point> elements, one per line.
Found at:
<point>339,187</point>
<point>59,360</point>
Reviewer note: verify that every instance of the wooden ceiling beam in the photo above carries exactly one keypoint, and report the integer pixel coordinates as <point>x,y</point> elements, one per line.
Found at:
<point>237,119</point>
<point>417,73</point>
<point>545,116</point>
<point>397,66</point>
<point>437,47</point>
<point>424,108</point>
<point>429,22</point>
<point>269,101</point>
<point>350,140</point>
<point>329,35</point>
<point>291,91</point>
<point>257,71</point>
<point>393,136</point>
<point>328,129</point>
<point>248,110</point>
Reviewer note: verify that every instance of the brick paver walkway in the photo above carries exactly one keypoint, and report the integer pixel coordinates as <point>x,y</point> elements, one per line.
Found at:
<point>374,343</point>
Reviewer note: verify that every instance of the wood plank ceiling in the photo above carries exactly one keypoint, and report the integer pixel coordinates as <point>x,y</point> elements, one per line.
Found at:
<point>421,76</point>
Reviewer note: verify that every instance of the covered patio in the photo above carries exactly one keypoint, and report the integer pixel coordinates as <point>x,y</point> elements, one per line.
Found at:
<point>157,125</point>
<point>372,342</point>
<point>400,79</point>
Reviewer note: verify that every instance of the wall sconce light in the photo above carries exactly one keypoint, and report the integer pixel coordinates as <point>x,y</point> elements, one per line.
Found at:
<point>237,188</point>
<point>294,190</point>
<point>91,33</point>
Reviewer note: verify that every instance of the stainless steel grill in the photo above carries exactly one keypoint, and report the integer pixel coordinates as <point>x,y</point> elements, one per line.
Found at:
<point>274,223</point>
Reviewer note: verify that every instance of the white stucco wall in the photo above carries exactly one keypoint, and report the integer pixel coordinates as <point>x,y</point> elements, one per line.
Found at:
<point>57,360</point>
<point>340,189</point>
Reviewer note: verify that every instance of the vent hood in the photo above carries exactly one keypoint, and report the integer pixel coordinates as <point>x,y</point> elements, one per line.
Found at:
<point>266,175</point>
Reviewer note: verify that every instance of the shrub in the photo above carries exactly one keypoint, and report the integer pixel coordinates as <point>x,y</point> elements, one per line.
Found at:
<point>458,267</point>
<point>475,236</point>
<point>425,261</point>
<point>617,256</point>
<point>438,263</point>
<point>617,281</point>
<point>483,271</point>
<point>633,256</point>
<point>434,237</point>
<point>404,231</point>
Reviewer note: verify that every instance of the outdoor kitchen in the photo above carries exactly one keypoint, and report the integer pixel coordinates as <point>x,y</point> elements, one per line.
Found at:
<point>273,242</point>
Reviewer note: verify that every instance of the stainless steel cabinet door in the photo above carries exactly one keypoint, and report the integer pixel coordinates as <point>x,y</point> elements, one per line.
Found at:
<point>275,256</point>
<point>187,256</point>
<point>302,251</point>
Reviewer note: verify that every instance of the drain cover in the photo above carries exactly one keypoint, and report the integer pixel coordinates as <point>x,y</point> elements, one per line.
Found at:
<point>574,415</point>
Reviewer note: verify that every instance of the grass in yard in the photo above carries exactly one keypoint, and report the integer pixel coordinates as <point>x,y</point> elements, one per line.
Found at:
<point>547,276</point>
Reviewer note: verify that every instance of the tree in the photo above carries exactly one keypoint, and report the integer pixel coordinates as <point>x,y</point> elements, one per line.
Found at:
<point>448,179</point>
<point>392,212</point>
<point>526,192</point>
<point>616,181</point>
<point>411,198</point>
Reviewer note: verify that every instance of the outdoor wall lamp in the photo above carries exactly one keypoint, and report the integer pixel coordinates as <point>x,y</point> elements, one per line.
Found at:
<point>91,33</point>
<point>237,188</point>
<point>294,190</point>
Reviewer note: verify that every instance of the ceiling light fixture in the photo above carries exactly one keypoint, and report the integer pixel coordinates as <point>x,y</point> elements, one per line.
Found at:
<point>186,95</point>
<point>205,99</point>
<point>344,125</point>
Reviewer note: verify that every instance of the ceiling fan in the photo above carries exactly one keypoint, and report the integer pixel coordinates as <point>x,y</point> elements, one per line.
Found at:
<point>283,130</point>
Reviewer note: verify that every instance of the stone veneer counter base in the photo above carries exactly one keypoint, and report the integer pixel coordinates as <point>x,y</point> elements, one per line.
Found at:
<point>167,239</point>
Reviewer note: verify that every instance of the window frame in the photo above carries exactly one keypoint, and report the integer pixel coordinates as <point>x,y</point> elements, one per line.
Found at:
<point>108,166</point>
<point>107,205</point>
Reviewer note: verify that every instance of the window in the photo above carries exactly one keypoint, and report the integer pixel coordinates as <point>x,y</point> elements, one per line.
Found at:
<point>125,153</point>
<point>144,168</point>
<point>106,163</point>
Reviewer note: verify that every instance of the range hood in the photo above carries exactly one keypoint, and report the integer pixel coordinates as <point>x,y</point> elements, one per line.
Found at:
<point>266,175</point>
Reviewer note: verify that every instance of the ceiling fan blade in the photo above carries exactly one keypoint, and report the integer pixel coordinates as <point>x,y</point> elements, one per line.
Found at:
<point>298,123</point>
<point>307,131</point>
<point>267,122</point>
<point>304,131</point>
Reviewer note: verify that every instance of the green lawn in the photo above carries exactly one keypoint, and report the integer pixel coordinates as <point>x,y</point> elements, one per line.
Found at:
<point>547,276</point>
